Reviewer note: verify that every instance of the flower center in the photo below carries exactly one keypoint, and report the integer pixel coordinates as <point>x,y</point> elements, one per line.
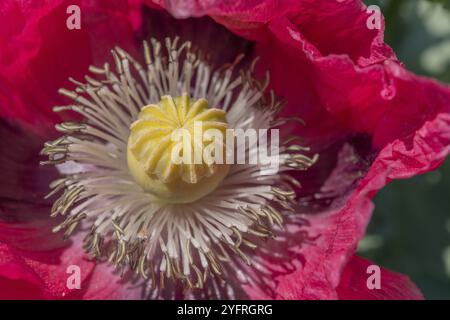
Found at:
<point>187,224</point>
<point>165,149</point>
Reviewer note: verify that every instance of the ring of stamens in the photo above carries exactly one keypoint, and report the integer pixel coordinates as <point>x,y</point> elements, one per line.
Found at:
<point>193,243</point>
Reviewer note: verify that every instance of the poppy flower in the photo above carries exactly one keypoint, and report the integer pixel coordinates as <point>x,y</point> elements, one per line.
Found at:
<point>140,69</point>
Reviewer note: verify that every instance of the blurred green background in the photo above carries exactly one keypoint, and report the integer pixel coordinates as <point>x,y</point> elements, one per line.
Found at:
<point>410,229</point>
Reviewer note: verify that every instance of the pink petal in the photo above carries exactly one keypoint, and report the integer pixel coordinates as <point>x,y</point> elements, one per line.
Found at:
<point>393,286</point>
<point>39,51</point>
<point>44,275</point>
<point>16,280</point>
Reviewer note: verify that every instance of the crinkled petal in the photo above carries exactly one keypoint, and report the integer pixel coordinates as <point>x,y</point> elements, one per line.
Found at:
<point>356,284</point>
<point>339,230</point>
<point>393,286</point>
<point>39,52</point>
